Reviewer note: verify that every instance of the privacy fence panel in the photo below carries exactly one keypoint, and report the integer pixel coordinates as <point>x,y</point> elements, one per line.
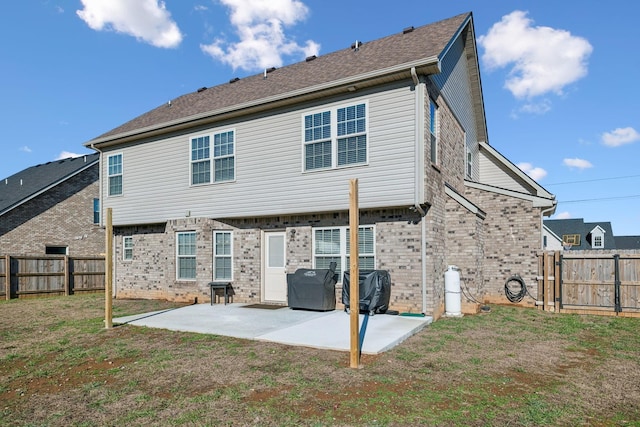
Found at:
<point>23,276</point>
<point>599,282</point>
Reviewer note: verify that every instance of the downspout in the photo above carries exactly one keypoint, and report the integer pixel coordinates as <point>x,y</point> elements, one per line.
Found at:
<point>419,185</point>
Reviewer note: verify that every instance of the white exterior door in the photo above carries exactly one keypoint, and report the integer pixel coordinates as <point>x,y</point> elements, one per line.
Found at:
<point>274,262</point>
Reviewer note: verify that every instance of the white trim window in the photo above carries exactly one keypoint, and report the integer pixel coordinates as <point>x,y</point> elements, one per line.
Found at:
<point>469,163</point>
<point>223,255</point>
<point>332,245</point>
<point>114,173</point>
<point>221,161</point>
<point>127,248</point>
<point>186,255</point>
<point>433,131</point>
<point>335,138</point>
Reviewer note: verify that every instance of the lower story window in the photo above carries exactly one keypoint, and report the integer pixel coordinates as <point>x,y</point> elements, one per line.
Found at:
<point>127,248</point>
<point>222,255</point>
<point>333,245</point>
<point>186,255</point>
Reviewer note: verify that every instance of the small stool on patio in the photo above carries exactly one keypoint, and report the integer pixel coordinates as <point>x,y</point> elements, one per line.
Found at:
<point>220,285</point>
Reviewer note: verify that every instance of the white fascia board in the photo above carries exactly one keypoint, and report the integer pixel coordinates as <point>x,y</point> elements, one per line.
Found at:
<point>538,202</point>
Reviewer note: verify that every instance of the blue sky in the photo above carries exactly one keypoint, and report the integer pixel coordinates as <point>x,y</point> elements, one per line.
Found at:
<point>559,77</point>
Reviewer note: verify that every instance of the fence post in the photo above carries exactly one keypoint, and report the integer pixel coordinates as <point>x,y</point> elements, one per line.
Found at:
<point>67,283</point>
<point>616,263</point>
<point>557,279</point>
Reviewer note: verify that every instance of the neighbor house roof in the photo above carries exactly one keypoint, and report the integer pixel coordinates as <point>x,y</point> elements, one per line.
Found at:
<point>361,65</point>
<point>563,227</point>
<point>31,182</point>
<point>627,242</point>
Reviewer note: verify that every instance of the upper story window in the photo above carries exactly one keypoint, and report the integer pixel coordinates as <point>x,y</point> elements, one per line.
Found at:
<point>469,163</point>
<point>598,242</point>
<point>215,165</point>
<point>115,174</point>
<point>433,131</point>
<point>335,137</point>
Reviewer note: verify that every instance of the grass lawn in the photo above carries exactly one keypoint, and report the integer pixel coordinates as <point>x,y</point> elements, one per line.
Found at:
<point>509,367</point>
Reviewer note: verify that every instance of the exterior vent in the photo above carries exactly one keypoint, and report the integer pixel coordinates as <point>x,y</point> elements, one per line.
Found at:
<point>356,45</point>
<point>202,89</point>
<point>269,70</point>
<point>408,30</point>
<point>235,79</point>
<point>310,58</point>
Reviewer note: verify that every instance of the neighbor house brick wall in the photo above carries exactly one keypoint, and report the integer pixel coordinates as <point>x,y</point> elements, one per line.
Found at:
<point>62,216</point>
<point>512,242</point>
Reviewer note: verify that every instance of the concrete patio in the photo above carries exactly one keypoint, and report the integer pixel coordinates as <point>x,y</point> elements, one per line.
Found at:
<point>325,330</point>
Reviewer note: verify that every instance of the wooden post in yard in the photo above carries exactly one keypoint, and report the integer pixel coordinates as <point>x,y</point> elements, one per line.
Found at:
<point>108,271</point>
<point>7,277</point>
<point>557,280</point>
<point>354,289</point>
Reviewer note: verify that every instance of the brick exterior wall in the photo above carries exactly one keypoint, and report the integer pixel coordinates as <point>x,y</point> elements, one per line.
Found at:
<point>62,216</point>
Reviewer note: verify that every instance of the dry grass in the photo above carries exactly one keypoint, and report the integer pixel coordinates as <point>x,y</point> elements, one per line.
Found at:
<point>512,366</point>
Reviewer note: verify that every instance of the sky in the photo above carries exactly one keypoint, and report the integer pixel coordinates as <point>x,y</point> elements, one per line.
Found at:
<point>559,78</point>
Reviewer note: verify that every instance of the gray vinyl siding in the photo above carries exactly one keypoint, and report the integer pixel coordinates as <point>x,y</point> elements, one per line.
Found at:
<point>498,175</point>
<point>269,168</point>
<point>454,85</point>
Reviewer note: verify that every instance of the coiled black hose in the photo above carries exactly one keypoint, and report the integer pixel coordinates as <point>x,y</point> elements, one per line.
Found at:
<point>515,292</point>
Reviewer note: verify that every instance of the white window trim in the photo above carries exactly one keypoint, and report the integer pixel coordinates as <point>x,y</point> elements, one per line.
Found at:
<point>601,245</point>
<point>334,136</point>
<point>212,157</point>
<point>436,133</point>
<point>125,247</point>
<point>468,162</point>
<point>344,230</point>
<point>120,174</point>
<point>215,255</point>
<point>178,278</point>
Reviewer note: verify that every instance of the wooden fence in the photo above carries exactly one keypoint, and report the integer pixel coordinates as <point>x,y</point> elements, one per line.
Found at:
<point>24,276</point>
<point>585,282</point>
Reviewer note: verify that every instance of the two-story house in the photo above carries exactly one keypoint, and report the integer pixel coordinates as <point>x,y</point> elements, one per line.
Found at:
<point>575,234</point>
<point>52,208</point>
<point>249,180</point>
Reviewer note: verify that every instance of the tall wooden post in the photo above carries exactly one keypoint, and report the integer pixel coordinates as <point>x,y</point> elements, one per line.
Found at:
<point>108,271</point>
<point>7,277</point>
<point>354,289</point>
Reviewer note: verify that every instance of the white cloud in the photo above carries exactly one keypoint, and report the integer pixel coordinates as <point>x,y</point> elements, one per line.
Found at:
<point>620,136</point>
<point>66,155</point>
<point>26,149</point>
<point>537,107</point>
<point>542,59</point>
<point>260,27</point>
<point>534,172</point>
<point>577,163</point>
<point>146,20</point>
<point>562,215</point>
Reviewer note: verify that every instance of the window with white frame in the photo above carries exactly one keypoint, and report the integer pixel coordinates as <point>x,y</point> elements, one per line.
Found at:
<point>96,211</point>
<point>127,248</point>
<point>186,255</point>
<point>433,130</point>
<point>597,242</point>
<point>217,165</point>
<point>114,173</point>
<point>335,137</point>
<point>222,255</point>
<point>332,245</point>
<point>469,163</point>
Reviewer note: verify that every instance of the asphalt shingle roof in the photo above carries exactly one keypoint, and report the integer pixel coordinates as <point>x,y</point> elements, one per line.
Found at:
<point>577,226</point>
<point>424,42</point>
<point>31,181</point>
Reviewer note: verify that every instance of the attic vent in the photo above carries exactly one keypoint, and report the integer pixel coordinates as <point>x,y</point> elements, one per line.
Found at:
<point>408,30</point>
<point>356,45</point>
<point>202,89</point>
<point>310,58</point>
<point>269,70</point>
<point>235,79</point>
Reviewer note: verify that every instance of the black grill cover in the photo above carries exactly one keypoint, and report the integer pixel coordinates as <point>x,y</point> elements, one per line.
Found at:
<point>374,291</point>
<point>312,289</point>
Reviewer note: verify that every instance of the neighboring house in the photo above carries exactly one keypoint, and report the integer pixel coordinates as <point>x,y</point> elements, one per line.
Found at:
<point>249,180</point>
<point>627,242</point>
<point>575,234</point>
<point>52,208</point>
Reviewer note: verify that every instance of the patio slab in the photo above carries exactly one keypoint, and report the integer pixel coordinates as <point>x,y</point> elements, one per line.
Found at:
<point>325,330</point>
